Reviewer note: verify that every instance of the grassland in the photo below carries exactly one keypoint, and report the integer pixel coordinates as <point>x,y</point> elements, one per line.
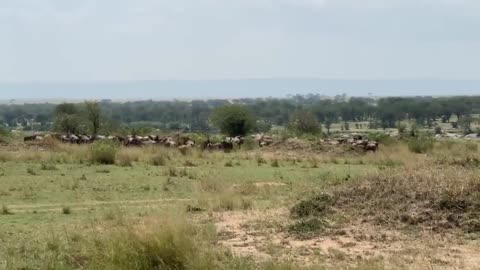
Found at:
<point>275,208</point>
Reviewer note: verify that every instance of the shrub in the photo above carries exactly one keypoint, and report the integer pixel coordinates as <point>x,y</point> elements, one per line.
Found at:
<point>48,167</point>
<point>260,160</point>
<point>275,163</point>
<point>381,138</point>
<point>229,164</point>
<point>5,210</point>
<point>189,163</point>
<point>159,160</point>
<point>103,152</point>
<point>66,210</point>
<point>31,171</point>
<point>126,159</point>
<point>304,122</point>
<point>401,127</point>
<point>438,130</point>
<point>307,228</point>
<point>233,120</point>
<point>421,144</point>
<point>315,206</point>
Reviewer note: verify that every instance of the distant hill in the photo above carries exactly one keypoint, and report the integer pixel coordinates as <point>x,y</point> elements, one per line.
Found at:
<point>203,89</point>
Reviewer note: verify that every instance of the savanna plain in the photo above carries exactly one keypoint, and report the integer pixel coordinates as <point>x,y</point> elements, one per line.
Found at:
<point>297,204</point>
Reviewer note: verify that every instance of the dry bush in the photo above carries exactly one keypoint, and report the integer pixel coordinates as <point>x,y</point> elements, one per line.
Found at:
<point>217,195</point>
<point>431,197</point>
<point>126,157</point>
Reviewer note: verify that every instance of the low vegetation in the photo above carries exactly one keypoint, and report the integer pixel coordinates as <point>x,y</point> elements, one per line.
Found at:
<point>298,203</point>
<point>103,152</point>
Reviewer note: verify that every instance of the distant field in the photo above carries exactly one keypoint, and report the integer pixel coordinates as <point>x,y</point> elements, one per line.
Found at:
<point>60,211</point>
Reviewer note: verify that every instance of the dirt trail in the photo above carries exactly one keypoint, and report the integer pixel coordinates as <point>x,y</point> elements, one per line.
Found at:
<point>51,207</point>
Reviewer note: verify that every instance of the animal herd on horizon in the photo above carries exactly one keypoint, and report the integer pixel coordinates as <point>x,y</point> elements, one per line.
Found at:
<point>183,142</point>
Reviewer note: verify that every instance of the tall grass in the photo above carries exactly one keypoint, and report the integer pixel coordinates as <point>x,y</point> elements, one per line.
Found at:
<point>103,152</point>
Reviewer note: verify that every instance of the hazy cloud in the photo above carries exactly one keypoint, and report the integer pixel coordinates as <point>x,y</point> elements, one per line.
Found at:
<point>80,40</point>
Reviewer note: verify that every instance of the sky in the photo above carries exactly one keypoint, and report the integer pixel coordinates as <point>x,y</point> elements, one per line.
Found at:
<point>126,40</point>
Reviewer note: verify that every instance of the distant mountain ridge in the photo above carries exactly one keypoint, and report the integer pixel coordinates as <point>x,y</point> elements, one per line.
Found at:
<point>238,88</point>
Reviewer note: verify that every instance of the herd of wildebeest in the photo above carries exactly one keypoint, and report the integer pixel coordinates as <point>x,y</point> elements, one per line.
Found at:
<point>182,141</point>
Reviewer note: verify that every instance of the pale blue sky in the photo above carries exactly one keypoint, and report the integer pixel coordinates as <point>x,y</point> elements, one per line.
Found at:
<point>112,40</point>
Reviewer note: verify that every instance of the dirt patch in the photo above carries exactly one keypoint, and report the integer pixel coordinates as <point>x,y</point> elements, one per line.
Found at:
<point>261,235</point>
<point>269,184</point>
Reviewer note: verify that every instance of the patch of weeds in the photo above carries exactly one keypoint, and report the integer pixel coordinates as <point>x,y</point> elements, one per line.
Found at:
<point>159,160</point>
<point>260,160</point>
<point>103,152</point>
<point>6,210</point>
<point>31,171</point>
<point>189,163</point>
<point>315,206</point>
<point>194,209</point>
<point>103,171</point>
<point>146,188</point>
<point>48,167</point>
<point>337,254</point>
<point>275,163</point>
<point>307,228</point>
<point>66,210</point>
<point>229,163</point>
<point>421,144</point>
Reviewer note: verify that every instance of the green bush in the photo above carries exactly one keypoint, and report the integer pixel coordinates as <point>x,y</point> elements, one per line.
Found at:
<point>303,122</point>
<point>103,152</point>
<point>421,144</point>
<point>382,138</point>
<point>233,120</point>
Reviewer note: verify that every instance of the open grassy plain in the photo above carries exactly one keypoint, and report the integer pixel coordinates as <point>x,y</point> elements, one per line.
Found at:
<point>295,205</point>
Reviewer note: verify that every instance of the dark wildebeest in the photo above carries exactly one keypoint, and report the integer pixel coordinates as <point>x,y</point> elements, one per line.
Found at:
<point>371,146</point>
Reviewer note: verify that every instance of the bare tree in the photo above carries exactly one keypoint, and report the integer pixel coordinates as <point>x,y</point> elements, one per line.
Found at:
<point>93,115</point>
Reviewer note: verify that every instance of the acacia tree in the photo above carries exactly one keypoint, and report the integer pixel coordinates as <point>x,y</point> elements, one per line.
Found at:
<point>233,120</point>
<point>305,122</point>
<point>93,115</point>
<point>66,118</point>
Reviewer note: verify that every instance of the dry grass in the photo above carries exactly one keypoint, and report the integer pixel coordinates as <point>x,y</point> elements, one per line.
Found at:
<point>433,198</point>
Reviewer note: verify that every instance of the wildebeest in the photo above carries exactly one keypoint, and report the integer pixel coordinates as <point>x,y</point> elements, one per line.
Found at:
<point>33,138</point>
<point>371,146</point>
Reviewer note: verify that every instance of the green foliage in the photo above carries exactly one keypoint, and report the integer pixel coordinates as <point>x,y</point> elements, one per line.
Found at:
<point>6,210</point>
<point>381,138</point>
<point>401,127</point>
<point>421,144</point>
<point>67,119</point>
<point>170,246</point>
<point>103,152</point>
<point>304,122</point>
<point>465,122</point>
<point>233,120</point>
<point>93,114</point>
<point>438,130</point>
<point>66,210</point>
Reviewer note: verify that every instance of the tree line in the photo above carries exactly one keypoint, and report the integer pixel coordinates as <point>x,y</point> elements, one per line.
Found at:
<point>196,116</point>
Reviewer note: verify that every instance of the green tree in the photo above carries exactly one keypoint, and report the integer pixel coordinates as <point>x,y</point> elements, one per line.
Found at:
<point>94,113</point>
<point>66,118</point>
<point>233,120</point>
<point>305,122</point>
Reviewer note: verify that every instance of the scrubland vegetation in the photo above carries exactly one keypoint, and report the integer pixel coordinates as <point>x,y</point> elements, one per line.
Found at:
<point>297,204</point>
